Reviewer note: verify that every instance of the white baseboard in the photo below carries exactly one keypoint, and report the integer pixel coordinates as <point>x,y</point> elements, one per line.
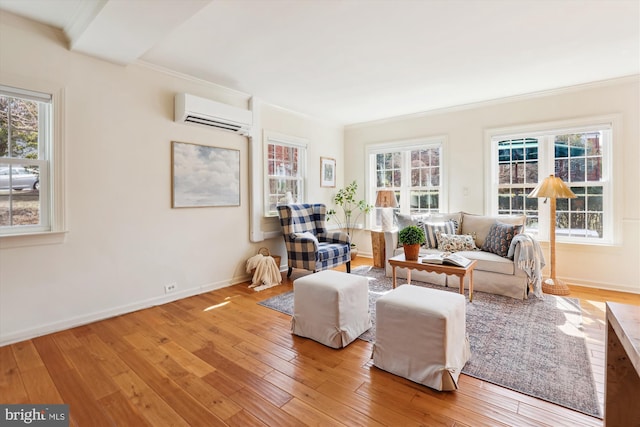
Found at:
<point>601,285</point>
<point>29,333</point>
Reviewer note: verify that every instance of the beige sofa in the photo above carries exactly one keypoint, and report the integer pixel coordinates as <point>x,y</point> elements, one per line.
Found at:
<point>493,273</point>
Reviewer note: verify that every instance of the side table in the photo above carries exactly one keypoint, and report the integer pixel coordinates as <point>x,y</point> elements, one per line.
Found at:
<point>377,247</point>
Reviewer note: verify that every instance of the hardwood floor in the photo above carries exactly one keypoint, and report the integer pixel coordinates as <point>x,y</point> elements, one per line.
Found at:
<point>221,359</point>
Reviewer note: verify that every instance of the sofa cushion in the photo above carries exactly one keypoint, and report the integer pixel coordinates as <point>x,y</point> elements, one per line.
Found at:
<point>403,220</point>
<point>499,238</point>
<point>490,262</point>
<point>480,224</point>
<point>455,242</point>
<point>432,228</point>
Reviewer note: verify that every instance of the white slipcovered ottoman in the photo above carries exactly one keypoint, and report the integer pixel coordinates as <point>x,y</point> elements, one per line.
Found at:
<point>331,307</point>
<point>421,335</point>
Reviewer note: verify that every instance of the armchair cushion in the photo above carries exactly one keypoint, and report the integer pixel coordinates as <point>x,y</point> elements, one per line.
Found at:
<point>307,235</point>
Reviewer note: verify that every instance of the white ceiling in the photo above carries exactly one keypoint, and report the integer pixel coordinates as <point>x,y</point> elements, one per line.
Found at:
<point>351,61</point>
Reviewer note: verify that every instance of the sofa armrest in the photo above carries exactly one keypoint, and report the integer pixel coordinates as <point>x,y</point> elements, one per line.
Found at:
<point>390,245</point>
<point>519,272</point>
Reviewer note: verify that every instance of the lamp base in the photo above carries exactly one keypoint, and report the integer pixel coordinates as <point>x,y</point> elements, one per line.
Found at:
<point>555,287</point>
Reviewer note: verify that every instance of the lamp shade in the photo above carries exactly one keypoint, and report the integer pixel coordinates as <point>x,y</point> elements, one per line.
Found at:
<point>386,199</point>
<point>552,187</point>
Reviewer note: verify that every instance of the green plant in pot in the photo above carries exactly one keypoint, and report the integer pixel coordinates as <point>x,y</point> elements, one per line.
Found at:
<point>351,211</point>
<point>411,238</point>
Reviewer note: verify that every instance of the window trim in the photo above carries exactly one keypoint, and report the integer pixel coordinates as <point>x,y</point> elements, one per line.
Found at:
<point>612,156</point>
<point>54,195</point>
<point>441,141</point>
<point>270,137</point>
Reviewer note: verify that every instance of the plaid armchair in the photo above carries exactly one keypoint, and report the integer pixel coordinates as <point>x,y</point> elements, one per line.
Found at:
<point>309,245</point>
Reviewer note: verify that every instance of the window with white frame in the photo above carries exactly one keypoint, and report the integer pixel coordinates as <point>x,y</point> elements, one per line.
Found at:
<point>26,145</point>
<point>413,170</point>
<point>285,167</point>
<point>581,156</point>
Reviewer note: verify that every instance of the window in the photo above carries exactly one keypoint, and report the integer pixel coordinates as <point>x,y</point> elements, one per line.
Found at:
<point>581,156</point>
<point>413,170</point>
<point>25,155</point>
<point>285,158</point>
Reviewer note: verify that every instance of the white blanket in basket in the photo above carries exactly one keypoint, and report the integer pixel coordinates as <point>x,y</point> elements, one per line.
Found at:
<point>267,273</point>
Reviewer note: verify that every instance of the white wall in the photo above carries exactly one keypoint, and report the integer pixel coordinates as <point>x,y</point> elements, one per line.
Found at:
<point>124,241</point>
<point>612,267</point>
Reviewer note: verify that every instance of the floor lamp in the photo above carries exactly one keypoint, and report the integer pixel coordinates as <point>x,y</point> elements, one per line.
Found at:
<point>386,199</point>
<point>553,188</point>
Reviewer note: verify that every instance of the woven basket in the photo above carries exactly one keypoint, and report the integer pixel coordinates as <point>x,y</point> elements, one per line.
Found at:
<point>265,252</point>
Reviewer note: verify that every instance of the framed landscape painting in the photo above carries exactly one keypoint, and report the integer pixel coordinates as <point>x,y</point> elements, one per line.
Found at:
<point>204,176</point>
<point>327,172</point>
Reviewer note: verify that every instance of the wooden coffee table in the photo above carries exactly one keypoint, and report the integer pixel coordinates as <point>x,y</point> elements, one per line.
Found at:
<point>451,270</point>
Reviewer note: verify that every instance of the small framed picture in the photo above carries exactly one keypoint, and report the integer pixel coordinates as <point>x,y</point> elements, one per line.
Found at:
<point>327,172</point>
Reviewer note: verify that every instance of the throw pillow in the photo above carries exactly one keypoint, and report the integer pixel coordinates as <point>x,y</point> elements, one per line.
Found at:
<point>455,242</point>
<point>499,238</point>
<point>307,235</point>
<point>430,229</point>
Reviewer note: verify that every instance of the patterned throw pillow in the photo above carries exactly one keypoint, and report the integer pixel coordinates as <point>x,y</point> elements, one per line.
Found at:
<point>430,229</point>
<point>499,238</point>
<point>455,242</point>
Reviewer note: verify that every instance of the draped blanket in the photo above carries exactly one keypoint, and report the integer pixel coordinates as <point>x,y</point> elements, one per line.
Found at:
<point>267,273</point>
<point>530,260</point>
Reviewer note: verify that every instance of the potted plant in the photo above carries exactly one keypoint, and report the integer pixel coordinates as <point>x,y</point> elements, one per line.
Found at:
<point>411,238</point>
<point>351,209</point>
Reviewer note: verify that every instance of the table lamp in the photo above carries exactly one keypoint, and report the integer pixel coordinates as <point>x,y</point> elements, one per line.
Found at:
<point>386,200</point>
<point>553,188</point>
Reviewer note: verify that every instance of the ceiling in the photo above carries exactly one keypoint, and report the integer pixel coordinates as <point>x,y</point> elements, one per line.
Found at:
<point>351,61</point>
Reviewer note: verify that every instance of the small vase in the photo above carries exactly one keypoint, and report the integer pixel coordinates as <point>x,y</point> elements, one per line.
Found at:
<point>411,252</point>
<point>354,252</point>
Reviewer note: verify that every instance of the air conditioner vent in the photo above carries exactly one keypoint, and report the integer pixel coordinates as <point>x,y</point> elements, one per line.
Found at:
<point>206,112</point>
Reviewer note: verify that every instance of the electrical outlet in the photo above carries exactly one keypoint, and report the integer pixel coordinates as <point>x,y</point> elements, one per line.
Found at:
<point>170,287</point>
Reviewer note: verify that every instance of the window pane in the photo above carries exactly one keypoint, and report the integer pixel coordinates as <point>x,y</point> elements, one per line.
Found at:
<point>504,173</point>
<point>562,204</point>
<point>531,153</point>
<point>504,200</point>
<point>562,169</point>
<point>397,179</point>
<point>435,176</point>
<point>531,172</point>
<point>19,195</point>
<point>593,144</point>
<point>23,120</point>
<point>594,204</point>
<point>517,173</point>
<point>577,170</point>
<point>594,169</point>
<point>594,224</point>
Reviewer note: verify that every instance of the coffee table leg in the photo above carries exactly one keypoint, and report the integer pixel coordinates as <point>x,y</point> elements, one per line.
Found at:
<point>462,285</point>
<point>471,286</point>
<point>393,274</point>
<point>408,276</point>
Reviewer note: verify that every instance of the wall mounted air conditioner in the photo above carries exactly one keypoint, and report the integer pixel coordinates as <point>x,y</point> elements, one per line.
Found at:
<point>206,112</point>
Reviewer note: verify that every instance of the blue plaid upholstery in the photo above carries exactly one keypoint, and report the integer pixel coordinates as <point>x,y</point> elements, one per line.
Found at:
<point>309,245</point>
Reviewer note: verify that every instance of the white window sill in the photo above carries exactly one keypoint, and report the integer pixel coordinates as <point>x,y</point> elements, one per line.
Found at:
<point>32,239</point>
